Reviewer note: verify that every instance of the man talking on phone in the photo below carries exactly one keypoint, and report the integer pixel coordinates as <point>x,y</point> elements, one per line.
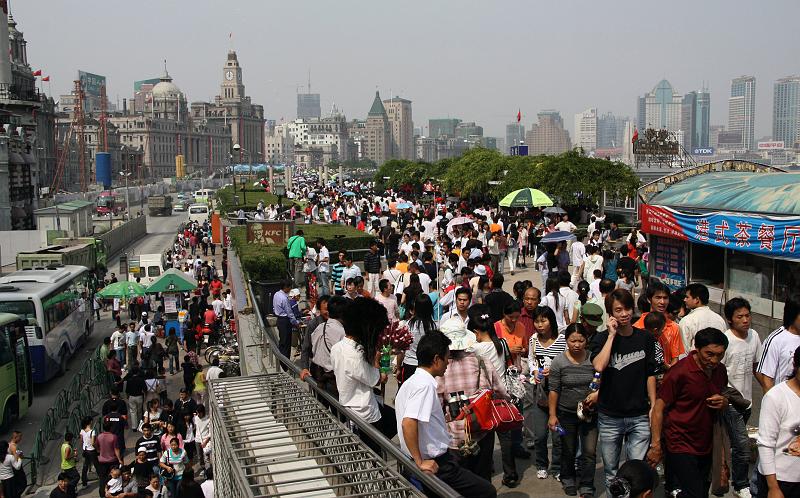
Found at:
<point>688,401</point>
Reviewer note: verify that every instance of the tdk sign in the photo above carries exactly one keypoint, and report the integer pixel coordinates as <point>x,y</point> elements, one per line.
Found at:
<point>703,151</point>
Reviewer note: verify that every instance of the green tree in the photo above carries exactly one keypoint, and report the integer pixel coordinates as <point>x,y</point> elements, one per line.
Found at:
<point>471,173</point>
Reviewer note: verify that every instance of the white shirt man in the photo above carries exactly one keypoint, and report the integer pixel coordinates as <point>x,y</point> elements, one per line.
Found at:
<point>213,372</point>
<point>323,260</point>
<point>324,337</point>
<point>741,359</point>
<point>355,379</point>
<point>218,306</point>
<point>698,319</point>
<point>118,340</point>
<point>417,399</point>
<point>566,226</point>
<point>429,230</point>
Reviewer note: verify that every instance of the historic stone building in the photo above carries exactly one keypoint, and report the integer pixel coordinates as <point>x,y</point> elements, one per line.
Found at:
<point>398,111</point>
<point>233,110</point>
<point>378,133</point>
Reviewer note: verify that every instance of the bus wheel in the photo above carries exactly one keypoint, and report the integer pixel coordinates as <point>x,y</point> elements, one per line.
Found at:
<point>62,362</point>
<point>8,416</point>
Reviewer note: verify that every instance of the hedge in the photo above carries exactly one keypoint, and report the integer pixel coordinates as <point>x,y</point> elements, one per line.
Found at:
<point>225,198</point>
<point>266,263</point>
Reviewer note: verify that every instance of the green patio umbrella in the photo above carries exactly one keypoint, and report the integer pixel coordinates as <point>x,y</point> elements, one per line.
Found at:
<point>124,290</point>
<point>172,280</point>
<point>526,197</point>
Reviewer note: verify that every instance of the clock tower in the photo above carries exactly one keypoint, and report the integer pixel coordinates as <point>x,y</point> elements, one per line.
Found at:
<point>232,87</point>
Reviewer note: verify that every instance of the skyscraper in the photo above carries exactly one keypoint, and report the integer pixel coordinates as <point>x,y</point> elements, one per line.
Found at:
<point>742,109</point>
<point>308,106</point>
<point>548,136</point>
<point>660,108</point>
<point>586,130</point>
<point>786,111</point>
<point>399,113</point>
<point>443,127</point>
<point>695,116</point>
<point>515,132</point>
<point>610,130</point>
<point>378,132</point>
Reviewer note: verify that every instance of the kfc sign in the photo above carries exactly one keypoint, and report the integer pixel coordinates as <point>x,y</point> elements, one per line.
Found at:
<point>269,232</point>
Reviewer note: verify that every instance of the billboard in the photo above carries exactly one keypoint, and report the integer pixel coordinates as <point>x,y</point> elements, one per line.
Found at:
<point>269,232</point>
<point>772,145</point>
<point>91,83</point>
<point>703,151</point>
<point>137,85</point>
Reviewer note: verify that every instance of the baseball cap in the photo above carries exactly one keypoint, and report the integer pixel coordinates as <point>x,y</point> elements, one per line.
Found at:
<point>141,449</point>
<point>592,313</point>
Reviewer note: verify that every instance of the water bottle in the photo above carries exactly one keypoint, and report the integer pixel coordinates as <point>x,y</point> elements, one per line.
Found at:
<point>560,430</point>
<point>540,374</point>
<point>462,399</point>
<point>386,359</point>
<point>595,384</point>
<point>453,405</point>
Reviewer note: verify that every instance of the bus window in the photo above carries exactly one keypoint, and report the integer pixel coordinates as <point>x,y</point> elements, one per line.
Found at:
<point>153,271</point>
<point>23,309</point>
<point>59,305</point>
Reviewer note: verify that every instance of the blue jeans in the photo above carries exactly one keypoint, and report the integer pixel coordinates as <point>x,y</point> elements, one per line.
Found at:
<point>121,356</point>
<point>542,433</point>
<point>613,431</point>
<point>736,425</point>
<point>324,278</point>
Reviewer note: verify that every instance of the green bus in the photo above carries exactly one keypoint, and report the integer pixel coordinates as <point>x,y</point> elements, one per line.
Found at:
<point>16,391</point>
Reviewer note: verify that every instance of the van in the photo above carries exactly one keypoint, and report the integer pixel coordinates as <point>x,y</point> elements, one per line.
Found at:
<point>198,213</point>
<point>202,196</point>
<point>147,267</point>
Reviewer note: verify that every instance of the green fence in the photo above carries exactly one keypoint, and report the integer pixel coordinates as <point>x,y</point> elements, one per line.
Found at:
<point>90,386</point>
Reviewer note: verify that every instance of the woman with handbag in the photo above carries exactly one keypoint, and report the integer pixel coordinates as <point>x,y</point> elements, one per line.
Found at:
<point>468,373</point>
<point>571,384</point>
<point>544,346</point>
<point>494,352</point>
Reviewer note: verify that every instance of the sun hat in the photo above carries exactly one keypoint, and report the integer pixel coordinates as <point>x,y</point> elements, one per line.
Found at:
<point>480,270</point>
<point>461,339</point>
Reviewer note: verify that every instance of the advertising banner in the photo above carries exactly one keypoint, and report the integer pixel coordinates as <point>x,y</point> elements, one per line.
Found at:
<point>91,83</point>
<point>269,232</point>
<point>669,262</point>
<point>773,236</point>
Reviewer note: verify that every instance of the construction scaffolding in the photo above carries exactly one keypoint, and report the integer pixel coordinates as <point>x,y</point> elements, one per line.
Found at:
<point>273,439</point>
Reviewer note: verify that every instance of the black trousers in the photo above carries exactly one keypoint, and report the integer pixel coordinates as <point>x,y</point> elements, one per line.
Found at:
<point>480,464</point>
<point>89,459</point>
<point>387,426</point>
<point>462,480</point>
<point>103,469</point>
<point>285,337</point>
<point>689,473</point>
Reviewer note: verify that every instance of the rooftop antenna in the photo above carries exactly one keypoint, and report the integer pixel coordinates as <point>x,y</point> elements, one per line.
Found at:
<point>309,80</point>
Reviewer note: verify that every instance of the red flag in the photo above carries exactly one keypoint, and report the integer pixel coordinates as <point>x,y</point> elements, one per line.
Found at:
<point>38,72</point>
<point>635,135</point>
<point>519,116</point>
<point>46,78</point>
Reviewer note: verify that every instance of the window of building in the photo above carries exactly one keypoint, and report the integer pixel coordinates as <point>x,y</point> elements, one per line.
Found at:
<point>750,276</point>
<point>787,279</point>
<point>707,265</point>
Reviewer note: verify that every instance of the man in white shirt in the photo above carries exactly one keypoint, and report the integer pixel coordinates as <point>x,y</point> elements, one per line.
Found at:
<point>227,304</point>
<point>208,484</point>
<point>323,268</point>
<point>218,306</point>
<point>577,253</point>
<point>420,421</point>
<point>214,371</point>
<point>700,317</point>
<point>775,358</point>
<point>565,225</point>
<point>424,278</point>
<point>323,339</point>
<point>350,270</point>
<point>146,335</point>
<point>740,360</point>
<point>462,298</point>
<point>118,344</point>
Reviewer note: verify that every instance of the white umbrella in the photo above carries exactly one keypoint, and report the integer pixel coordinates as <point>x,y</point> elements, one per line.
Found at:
<point>461,220</point>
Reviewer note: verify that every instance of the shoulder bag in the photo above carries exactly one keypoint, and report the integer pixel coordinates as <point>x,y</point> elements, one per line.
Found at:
<point>505,415</point>
<point>510,378</point>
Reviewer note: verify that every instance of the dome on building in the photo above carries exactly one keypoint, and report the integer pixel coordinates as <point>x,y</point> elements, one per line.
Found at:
<point>165,88</point>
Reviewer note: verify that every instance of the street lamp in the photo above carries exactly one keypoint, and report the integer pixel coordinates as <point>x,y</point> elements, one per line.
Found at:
<point>280,191</point>
<point>241,150</point>
<point>127,196</point>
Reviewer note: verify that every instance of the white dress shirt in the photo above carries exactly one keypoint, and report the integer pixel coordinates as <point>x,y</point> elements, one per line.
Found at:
<point>355,379</point>
<point>698,319</point>
<point>417,399</point>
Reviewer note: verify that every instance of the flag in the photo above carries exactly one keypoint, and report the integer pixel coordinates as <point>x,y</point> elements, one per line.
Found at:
<point>635,135</point>
<point>519,116</point>
<point>38,72</point>
<point>46,78</point>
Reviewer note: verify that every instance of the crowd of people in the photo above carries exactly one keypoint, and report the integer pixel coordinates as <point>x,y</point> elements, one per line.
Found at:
<point>149,359</point>
<point>599,358</point>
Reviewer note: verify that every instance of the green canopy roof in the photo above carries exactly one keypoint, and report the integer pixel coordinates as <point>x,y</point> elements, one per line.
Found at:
<point>172,280</point>
<point>738,191</point>
<point>377,108</point>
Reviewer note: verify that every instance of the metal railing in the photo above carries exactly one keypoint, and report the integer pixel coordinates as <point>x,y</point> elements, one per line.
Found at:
<point>90,386</point>
<point>393,457</point>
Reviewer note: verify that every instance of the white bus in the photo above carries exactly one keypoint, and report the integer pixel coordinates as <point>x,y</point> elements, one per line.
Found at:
<point>57,302</point>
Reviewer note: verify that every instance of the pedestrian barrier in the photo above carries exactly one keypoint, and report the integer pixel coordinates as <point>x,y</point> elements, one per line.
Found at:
<point>90,386</point>
<point>122,236</point>
<point>342,465</point>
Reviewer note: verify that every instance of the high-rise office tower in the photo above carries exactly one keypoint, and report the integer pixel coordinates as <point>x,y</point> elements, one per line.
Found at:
<point>399,113</point>
<point>548,136</point>
<point>586,130</point>
<point>695,116</point>
<point>660,108</point>
<point>786,111</point>
<point>515,132</point>
<point>610,130</point>
<point>742,109</point>
<point>443,127</point>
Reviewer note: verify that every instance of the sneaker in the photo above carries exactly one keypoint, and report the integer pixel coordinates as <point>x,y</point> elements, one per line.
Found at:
<point>742,493</point>
<point>557,477</point>
<point>511,481</point>
<point>571,490</point>
<point>541,474</point>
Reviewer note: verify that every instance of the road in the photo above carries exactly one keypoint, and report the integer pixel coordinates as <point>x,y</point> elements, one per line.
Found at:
<point>161,231</point>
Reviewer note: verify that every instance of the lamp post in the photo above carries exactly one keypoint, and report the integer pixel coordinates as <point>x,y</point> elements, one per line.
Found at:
<point>280,191</point>
<point>241,150</point>
<point>127,196</point>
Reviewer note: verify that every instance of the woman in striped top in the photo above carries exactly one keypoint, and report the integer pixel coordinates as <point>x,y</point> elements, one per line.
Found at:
<point>543,347</point>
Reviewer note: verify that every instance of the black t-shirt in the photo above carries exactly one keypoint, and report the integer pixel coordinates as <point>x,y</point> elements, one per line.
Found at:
<point>152,445</point>
<point>117,423</point>
<point>623,387</point>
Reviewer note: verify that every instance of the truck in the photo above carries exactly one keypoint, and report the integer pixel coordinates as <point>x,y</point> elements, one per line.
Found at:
<point>109,202</point>
<point>83,251</point>
<point>160,205</point>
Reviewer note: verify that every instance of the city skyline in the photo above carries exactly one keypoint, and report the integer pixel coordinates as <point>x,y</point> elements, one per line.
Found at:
<point>490,95</point>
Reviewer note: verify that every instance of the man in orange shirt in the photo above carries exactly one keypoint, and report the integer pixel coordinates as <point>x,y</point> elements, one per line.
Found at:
<point>670,339</point>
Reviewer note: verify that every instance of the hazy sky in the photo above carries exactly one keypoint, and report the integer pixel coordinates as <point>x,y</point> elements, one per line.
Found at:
<point>475,60</point>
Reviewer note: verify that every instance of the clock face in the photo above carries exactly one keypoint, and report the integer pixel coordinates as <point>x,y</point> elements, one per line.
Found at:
<point>229,75</point>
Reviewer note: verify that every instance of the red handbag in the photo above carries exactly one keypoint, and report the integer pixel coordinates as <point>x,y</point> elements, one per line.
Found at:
<point>479,411</point>
<point>505,416</point>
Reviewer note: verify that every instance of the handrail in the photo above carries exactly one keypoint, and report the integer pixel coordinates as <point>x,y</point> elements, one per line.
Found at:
<point>388,449</point>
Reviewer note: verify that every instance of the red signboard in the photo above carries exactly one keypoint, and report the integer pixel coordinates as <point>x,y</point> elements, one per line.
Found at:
<point>659,221</point>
